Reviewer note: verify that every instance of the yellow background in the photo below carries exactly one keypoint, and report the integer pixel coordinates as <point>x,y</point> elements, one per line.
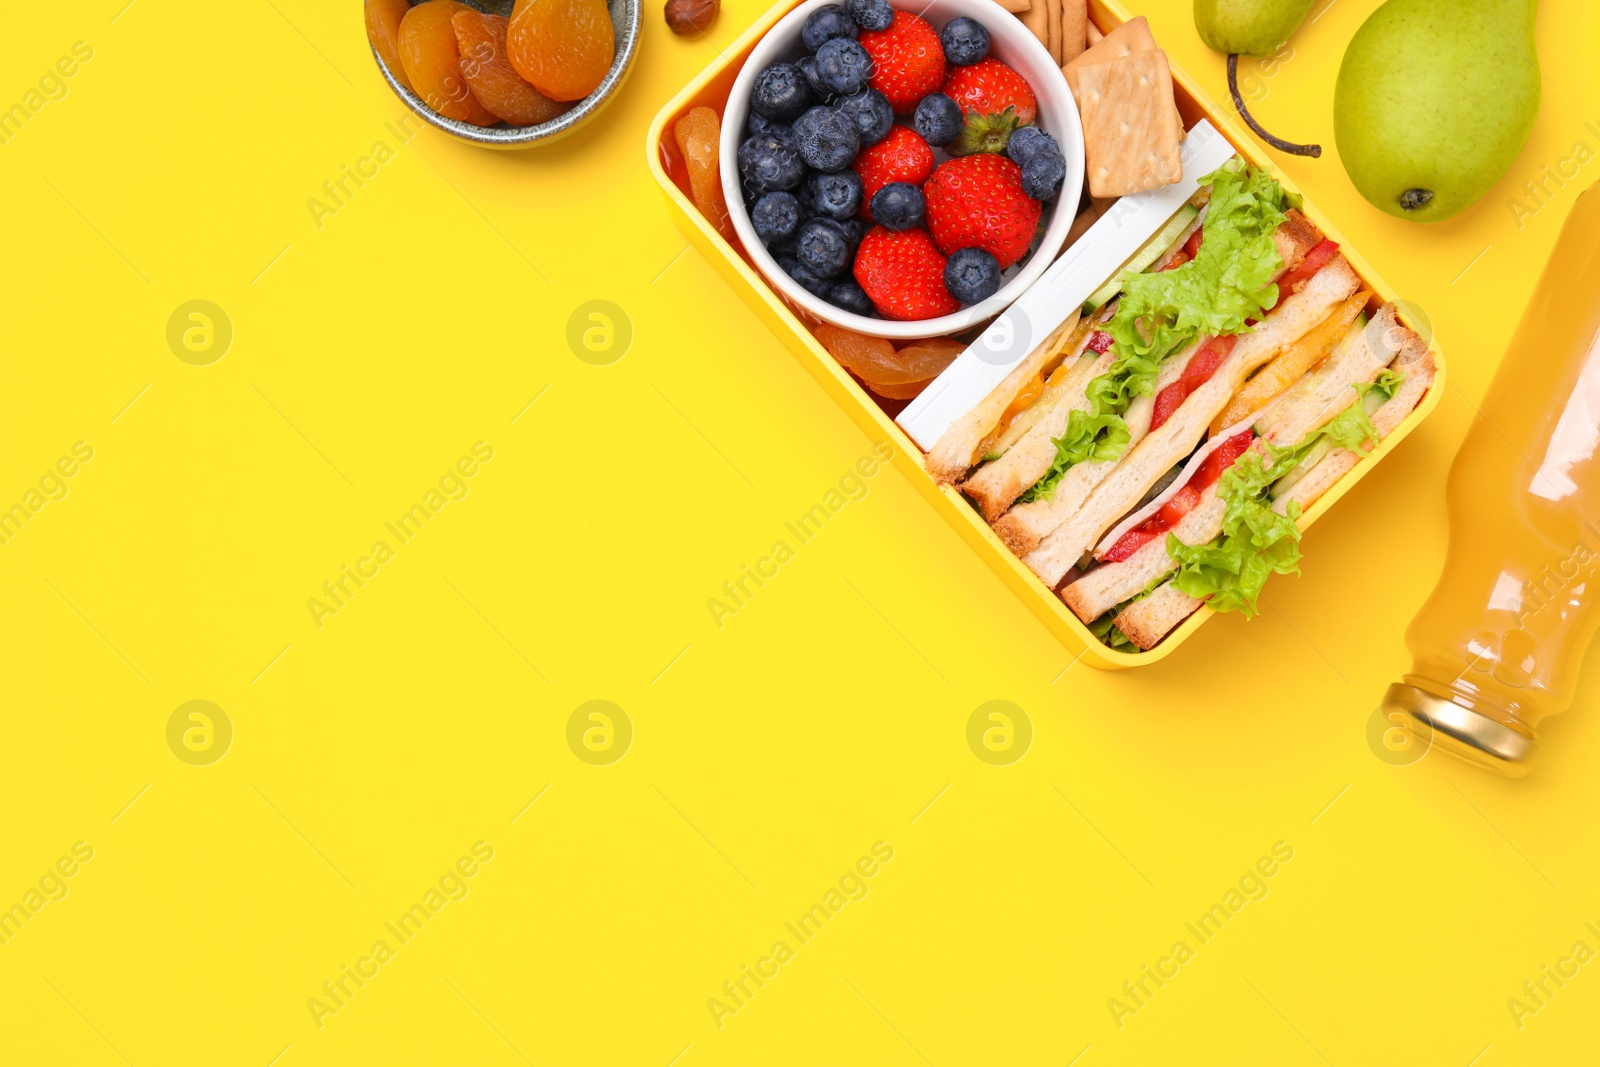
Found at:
<point>830,713</point>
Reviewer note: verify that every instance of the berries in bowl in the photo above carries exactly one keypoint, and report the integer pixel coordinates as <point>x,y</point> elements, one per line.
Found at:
<point>892,132</point>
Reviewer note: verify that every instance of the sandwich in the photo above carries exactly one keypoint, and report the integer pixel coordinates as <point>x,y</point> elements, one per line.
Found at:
<point>1157,451</point>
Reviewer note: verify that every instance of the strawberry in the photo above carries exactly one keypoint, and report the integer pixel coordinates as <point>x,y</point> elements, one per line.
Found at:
<point>902,156</point>
<point>978,202</point>
<point>994,101</point>
<point>907,60</point>
<point>903,274</point>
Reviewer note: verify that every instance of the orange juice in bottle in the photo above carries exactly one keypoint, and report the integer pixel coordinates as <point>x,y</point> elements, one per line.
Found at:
<point>1498,645</point>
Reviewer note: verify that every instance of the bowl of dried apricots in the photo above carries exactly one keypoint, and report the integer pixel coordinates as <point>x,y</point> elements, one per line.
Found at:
<point>504,73</point>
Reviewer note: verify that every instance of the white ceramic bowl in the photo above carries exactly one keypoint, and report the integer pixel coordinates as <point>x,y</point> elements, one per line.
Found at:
<point>1013,45</point>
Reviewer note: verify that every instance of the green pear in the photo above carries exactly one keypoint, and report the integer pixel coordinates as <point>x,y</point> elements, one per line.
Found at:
<point>1434,101</point>
<point>1248,27</point>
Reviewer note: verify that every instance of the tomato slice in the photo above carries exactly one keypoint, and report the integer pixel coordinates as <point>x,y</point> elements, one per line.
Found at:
<point>1183,501</point>
<point>1197,373</point>
<point>1099,342</point>
<point>1315,260</point>
<point>1178,260</point>
<point>1131,542</point>
<point>1192,245</point>
<point>1221,459</point>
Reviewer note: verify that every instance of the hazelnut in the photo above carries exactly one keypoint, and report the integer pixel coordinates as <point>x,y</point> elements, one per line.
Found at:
<point>691,17</point>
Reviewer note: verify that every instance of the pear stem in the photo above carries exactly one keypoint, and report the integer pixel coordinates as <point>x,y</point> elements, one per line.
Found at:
<point>1312,150</point>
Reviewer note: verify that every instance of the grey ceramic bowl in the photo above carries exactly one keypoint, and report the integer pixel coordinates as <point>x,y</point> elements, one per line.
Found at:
<point>624,21</point>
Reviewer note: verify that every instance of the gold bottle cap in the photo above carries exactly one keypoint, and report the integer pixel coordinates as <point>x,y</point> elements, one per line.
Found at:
<point>1458,730</point>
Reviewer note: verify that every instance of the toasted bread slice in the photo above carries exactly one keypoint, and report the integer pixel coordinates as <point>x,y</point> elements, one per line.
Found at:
<point>997,483</point>
<point>1323,393</point>
<point>955,452</point>
<point>1416,362</point>
<point>1145,622</point>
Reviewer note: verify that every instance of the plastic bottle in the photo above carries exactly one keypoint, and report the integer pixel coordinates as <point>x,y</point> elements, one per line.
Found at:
<point>1498,645</point>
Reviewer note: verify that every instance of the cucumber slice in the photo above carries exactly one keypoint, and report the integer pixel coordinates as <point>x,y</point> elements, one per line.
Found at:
<point>1287,482</point>
<point>1147,255</point>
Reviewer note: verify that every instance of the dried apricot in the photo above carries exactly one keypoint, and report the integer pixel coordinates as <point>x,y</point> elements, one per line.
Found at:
<point>875,361</point>
<point>699,136</point>
<point>433,62</point>
<point>869,358</point>
<point>928,359</point>
<point>383,30</point>
<point>490,76</point>
<point>562,47</point>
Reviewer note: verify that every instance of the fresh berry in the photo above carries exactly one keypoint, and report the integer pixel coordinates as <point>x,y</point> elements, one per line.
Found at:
<point>972,275</point>
<point>903,274</point>
<point>908,61</point>
<point>871,113</point>
<point>845,293</point>
<point>780,93</point>
<point>810,282</point>
<point>826,23</point>
<point>775,216</point>
<point>843,66</point>
<point>854,230</point>
<point>826,138</point>
<point>870,14</point>
<point>938,119</point>
<point>1043,174</point>
<point>1027,142</point>
<point>978,202</point>
<point>965,41</point>
<point>994,100</point>
<point>900,157</point>
<point>759,124</point>
<point>898,206</point>
<point>808,67</point>
<point>834,196</point>
<point>822,248</point>
<point>770,162</point>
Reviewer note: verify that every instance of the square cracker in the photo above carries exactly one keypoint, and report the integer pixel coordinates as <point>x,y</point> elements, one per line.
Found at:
<point>1131,37</point>
<point>1130,136</point>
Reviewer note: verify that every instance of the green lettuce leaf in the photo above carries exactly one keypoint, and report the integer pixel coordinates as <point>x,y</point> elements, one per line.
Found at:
<point>1386,384</point>
<point>1256,542</point>
<point>1226,284</point>
<point>1087,437</point>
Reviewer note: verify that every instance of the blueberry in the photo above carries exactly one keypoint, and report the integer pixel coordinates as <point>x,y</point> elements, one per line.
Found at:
<point>937,119</point>
<point>965,41</point>
<point>834,196</point>
<point>854,230</point>
<point>1043,174</point>
<point>971,275</point>
<point>870,14</point>
<point>827,139</point>
<point>826,23</point>
<point>1027,141</point>
<point>775,216</point>
<point>808,67</point>
<point>769,162</point>
<point>898,206</point>
<point>843,65</point>
<point>822,248</point>
<point>872,114</point>
<point>780,93</point>
<point>758,124</point>
<point>810,282</point>
<point>846,294</point>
